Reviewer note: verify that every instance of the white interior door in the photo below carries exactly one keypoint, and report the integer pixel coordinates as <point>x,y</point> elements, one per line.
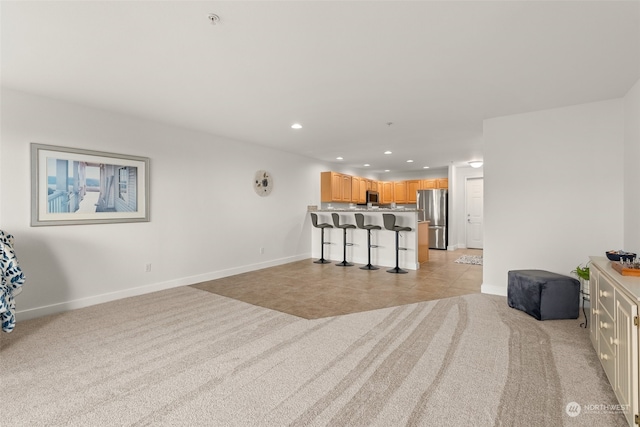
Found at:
<point>474,207</point>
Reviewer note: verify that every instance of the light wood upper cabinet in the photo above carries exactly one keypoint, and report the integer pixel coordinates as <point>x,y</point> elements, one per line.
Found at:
<point>335,187</point>
<point>339,187</point>
<point>365,185</point>
<point>412,190</point>
<point>442,183</point>
<point>359,187</point>
<point>355,189</point>
<point>346,188</point>
<point>433,183</point>
<point>400,191</point>
<point>385,188</point>
<point>427,184</point>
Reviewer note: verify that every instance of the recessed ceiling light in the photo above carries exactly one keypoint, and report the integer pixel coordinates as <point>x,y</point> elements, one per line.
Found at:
<point>386,170</point>
<point>296,126</point>
<point>339,158</point>
<point>366,164</point>
<point>387,152</point>
<point>425,167</point>
<point>409,161</point>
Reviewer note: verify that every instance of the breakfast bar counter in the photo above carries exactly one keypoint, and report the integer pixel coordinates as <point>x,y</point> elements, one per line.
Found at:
<point>383,255</point>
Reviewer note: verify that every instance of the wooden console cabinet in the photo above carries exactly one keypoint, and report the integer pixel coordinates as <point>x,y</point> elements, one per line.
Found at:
<point>614,332</point>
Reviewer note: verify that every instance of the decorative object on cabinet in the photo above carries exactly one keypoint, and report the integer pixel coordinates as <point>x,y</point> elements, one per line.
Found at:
<point>11,281</point>
<point>543,294</point>
<point>263,183</point>
<point>72,186</point>
<point>620,255</point>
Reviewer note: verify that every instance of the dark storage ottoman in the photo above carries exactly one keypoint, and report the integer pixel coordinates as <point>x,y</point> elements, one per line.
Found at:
<point>544,295</point>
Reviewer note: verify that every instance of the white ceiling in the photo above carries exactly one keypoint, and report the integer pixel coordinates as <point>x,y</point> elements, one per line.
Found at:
<point>343,69</point>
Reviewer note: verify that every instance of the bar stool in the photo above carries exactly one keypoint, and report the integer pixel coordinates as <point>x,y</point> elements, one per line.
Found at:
<point>360,223</point>
<point>336,223</point>
<point>322,226</point>
<point>390,224</point>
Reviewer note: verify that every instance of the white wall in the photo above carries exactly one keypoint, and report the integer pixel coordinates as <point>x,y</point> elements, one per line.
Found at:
<point>457,204</point>
<point>553,189</point>
<point>631,169</point>
<point>206,220</point>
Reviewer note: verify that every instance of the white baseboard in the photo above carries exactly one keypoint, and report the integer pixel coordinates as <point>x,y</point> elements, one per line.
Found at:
<point>493,290</point>
<point>46,310</point>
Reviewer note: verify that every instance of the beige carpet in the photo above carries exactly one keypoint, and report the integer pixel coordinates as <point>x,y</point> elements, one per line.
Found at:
<point>185,357</point>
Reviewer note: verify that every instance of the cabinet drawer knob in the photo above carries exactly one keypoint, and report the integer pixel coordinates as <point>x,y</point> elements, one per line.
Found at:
<point>604,325</point>
<point>604,356</point>
<point>604,294</point>
<point>613,341</point>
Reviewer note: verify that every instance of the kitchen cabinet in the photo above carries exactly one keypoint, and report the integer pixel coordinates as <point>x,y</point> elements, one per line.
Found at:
<point>343,188</point>
<point>423,241</point>
<point>385,188</point>
<point>359,188</point>
<point>434,183</point>
<point>412,190</point>
<point>355,189</point>
<point>428,184</point>
<point>400,192</point>
<point>335,187</point>
<point>614,332</point>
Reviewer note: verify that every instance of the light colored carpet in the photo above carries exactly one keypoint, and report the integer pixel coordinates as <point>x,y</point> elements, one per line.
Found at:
<point>470,259</point>
<point>186,357</point>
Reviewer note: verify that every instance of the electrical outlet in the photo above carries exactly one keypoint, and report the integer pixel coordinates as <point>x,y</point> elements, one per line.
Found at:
<point>147,268</point>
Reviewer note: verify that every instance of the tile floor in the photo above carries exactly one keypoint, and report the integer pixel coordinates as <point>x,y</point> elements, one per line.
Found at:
<point>312,291</point>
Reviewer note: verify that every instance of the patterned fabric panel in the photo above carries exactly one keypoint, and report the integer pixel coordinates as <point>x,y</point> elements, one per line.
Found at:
<point>11,283</point>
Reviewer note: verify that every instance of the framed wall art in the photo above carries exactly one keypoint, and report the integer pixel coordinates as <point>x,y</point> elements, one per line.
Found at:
<point>71,186</point>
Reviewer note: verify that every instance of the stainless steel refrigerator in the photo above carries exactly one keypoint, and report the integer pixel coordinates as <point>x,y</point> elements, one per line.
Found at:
<point>433,205</point>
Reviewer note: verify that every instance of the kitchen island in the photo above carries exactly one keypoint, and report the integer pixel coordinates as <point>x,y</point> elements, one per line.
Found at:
<point>384,254</point>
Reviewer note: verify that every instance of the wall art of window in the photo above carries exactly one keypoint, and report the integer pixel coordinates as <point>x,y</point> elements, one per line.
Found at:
<point>71,186</point>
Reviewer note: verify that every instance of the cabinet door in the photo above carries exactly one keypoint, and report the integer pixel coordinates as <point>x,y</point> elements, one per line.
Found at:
<point>330,187</point>
<point>364,186</point>
<point>626,341</point>
<point>387,191</point>
<point>336,187</point>
<point>355,189</point>
<point>346,188</point>
<point>400,191</point>
<point>428,184</point>
<point>593,311</point>
<point>412,190</point>
<point>442,183</point>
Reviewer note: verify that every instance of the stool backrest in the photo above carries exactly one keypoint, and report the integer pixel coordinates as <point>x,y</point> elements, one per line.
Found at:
<point>314,219</point>
<point>389,221</point>
<point>336,219</point>
<point>360,220</point>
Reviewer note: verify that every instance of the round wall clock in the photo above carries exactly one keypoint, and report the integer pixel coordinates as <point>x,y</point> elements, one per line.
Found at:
<point>263,183</point>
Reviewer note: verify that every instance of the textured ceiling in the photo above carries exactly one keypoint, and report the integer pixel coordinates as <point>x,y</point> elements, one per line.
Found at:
<point>341,69</point>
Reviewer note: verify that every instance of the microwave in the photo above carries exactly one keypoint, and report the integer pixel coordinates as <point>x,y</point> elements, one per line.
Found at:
<point>373,197</point>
